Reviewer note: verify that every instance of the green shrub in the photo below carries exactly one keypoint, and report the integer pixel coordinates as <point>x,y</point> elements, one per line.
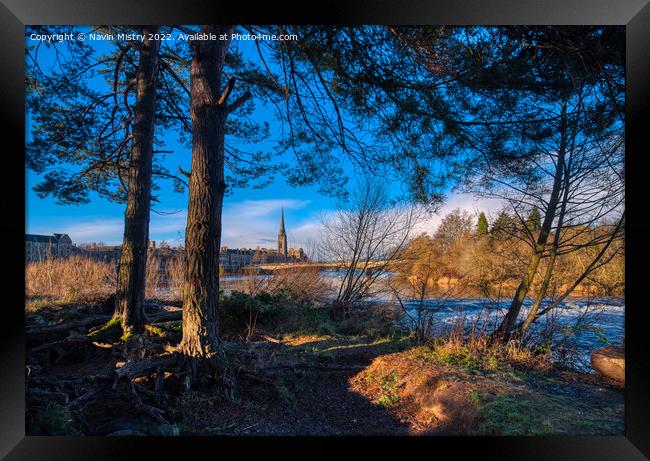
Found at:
<point>390,395</point>
<point>280,312</point>
<point>53,419</point>
<point>239,311</point>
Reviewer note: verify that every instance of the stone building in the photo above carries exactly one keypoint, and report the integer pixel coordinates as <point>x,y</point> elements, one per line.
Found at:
<point>233,259</point>
<point>100,252</point>
<point>297,254</point>
<point>41,247</point>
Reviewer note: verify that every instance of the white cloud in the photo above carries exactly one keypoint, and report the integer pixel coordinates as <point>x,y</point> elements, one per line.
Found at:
<point>249,223</point>
<point>257,208</point>
<point>463,202</point>
<point>254,223</point>
<point>246,224</point>
<point>97,230</point>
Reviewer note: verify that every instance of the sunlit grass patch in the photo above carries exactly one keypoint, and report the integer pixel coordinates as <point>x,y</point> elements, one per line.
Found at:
<point>71,279</point>
<point>477,353</point>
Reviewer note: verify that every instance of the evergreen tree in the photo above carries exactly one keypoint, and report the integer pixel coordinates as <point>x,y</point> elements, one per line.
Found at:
<point>482,224</point>
<point>503,225</point>
<point>534,220</point>
<point>105,131</point>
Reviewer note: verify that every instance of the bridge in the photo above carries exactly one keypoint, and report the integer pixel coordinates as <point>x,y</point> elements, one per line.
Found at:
<point>310,265</point>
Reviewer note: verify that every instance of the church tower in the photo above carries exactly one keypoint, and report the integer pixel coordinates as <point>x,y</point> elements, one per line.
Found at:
<point>282,237</point>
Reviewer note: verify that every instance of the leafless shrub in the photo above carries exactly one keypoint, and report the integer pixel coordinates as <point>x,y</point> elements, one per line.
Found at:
<point>304,280</point>
<point>165,276</point>
<point>364,238</point>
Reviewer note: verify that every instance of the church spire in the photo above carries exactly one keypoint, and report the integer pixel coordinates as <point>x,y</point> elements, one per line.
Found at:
<point>282,237</point>
<point>282,220</point>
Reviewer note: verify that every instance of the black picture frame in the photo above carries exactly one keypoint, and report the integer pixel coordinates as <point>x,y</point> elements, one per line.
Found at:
<point>634,14</point>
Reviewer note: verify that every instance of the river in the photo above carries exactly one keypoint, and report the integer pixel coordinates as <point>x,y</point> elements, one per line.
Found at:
<point>576,327</point>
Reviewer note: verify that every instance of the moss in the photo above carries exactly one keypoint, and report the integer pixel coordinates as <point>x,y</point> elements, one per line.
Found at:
<point>109,330</point>
<point>543,414</point>
<point>126,336</point>
<point>155,331</point>
<point>516,415</point>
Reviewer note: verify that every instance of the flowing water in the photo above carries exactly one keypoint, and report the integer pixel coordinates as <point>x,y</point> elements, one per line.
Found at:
<point>575,328</point>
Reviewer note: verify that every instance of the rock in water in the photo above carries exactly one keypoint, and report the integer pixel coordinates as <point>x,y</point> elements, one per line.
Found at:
<point>610,362</point>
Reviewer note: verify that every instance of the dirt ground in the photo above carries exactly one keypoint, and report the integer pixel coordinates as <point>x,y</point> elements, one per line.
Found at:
<point>314,385</point>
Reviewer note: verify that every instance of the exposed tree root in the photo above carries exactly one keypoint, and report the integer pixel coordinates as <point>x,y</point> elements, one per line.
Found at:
<point>47,396</point>
<point>86,396</point>
<point>72,341</point>
<point>155,413</point>
<point>313,366</point>
<point>148,366</point>
<point>40,335</point>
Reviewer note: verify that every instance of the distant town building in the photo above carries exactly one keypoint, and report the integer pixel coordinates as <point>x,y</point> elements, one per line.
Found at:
<point>99,251</point>
<point>41,247</point>
<point>232,259</point>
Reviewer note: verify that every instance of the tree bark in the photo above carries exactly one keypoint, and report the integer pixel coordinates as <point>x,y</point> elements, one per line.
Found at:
<point>208,112</point>
<point>129,303</point>
<point>508,324</point>
<point>554,249</point>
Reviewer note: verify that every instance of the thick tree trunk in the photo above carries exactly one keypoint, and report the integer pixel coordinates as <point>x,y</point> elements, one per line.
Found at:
<point>129,303</point>
<point>206,190</point>
<point>508,324</point>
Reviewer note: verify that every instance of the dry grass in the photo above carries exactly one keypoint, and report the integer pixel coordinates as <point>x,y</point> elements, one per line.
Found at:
<point>434,395</point>
<point>474,350</point>
<point>73,279</point>
<point>164,276</point>
<point>304,281</point>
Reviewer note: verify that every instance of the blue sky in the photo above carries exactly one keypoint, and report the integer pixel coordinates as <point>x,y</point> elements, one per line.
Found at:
<point>250,216</point>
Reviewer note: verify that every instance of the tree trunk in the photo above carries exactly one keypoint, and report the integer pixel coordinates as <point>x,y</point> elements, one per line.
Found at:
<point>129,303</point>
<point>554,249</point>
<point>507,326</point>
<point>542,292</point>
<point>206,190</point>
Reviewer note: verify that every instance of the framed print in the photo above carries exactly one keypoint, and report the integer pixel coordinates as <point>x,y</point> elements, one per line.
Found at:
<point>392,225</point>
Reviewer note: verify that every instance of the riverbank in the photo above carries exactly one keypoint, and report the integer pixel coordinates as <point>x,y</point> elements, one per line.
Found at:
<point>305,372</point>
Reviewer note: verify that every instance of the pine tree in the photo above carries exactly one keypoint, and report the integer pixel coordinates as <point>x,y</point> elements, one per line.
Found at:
<point>534,220</point>
<point>482,224</point>
<point>502,225</point>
